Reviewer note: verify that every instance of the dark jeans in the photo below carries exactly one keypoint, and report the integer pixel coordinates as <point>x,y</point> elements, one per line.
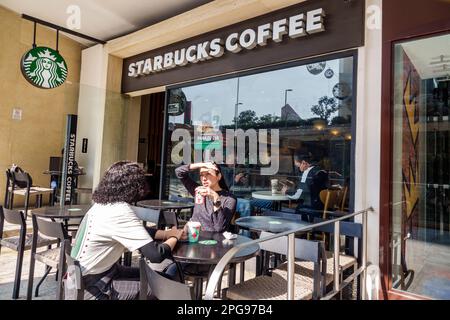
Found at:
<point>189,269</point>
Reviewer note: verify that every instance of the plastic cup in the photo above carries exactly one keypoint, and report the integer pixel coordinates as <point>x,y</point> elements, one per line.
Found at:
<point>199,199</point>
<point>193,231</point>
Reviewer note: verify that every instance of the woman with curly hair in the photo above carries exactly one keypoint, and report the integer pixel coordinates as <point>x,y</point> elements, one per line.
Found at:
<point>110,227</point>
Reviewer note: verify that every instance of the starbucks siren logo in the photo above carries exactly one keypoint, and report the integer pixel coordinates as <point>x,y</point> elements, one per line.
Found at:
<point>44,67</point>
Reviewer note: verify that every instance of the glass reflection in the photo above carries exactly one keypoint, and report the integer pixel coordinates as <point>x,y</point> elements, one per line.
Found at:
<point>255,125</point>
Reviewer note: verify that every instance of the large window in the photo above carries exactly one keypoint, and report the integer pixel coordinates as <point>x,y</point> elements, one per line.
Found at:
<point>421,167</point>
<point>253,125</point>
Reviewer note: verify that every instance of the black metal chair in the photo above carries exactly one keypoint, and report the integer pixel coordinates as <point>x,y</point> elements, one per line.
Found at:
<point>52,258</point>
<point>19,243</point>
<point>161,287</point>
<point>184,200</point>
<point>19,182</point>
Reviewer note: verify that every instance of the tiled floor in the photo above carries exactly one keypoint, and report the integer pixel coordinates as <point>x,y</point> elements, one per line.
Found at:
<point>7,272</point>
<point>431,265</point>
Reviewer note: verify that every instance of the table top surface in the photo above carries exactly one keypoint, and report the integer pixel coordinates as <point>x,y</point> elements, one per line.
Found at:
<point>164,204</point>
<point>211,254</point>
<point>272,224</point>
<point>66,212</point>
<point>268,195</point>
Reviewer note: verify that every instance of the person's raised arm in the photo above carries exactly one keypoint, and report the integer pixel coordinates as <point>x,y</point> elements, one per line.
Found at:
<point>182,173</point>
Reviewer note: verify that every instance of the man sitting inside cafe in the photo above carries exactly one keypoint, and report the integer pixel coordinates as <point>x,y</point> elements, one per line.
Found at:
<point>312,180</point>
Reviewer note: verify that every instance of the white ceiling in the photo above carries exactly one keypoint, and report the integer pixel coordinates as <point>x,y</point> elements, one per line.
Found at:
<point>104,19</point>
<point>423,52</point>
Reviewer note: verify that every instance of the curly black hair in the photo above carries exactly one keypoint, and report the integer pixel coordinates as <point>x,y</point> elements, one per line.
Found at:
<point>124,181</point>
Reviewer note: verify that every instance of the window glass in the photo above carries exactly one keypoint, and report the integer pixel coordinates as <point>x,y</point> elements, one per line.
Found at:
<point>256,126</point>
<point>421,166</point>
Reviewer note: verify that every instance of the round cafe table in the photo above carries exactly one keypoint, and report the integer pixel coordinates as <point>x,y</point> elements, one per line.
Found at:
<point>198,253</point>
<point>210,254</point>
<point>276,198</point>
<point>165,204</point>
<point>272,224</point>
<point>66,212</point>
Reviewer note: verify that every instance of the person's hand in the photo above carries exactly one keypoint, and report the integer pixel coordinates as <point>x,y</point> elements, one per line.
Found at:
<point>184,234</point>
<point>174,232</point>
<point>238,177</point>
<point>204,191</point>
<point>210,166</point>
<point>207,192</point>
<point>284,189</point>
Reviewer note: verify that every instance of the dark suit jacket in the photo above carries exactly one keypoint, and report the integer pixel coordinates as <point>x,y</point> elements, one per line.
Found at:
<point>316,181</point>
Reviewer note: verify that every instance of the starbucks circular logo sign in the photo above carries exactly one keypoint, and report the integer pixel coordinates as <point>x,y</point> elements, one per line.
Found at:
<point>44,68</point>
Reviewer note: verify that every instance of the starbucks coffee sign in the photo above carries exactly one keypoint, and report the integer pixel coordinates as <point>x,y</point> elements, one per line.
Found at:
<point>44,68</point>
<point>305,29</point>
<point>295,26</point>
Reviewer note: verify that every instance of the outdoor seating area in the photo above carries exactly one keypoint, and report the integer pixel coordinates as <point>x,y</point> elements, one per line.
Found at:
<point>257,271</point>
<point>233,150</point>
<point>260,270</point>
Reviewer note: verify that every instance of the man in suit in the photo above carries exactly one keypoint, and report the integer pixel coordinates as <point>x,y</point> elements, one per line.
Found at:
<point>312,180</point>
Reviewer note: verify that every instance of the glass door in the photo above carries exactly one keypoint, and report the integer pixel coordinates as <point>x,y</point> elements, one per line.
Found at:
<point>421,166</point>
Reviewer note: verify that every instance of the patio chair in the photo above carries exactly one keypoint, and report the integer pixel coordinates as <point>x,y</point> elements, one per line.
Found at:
<point>19,182</point>
<point>330,200</point>
<point>348,258</point>
<point>19,243</point>
<point>308,284</point>
<point>184,200</point>
<point>52,258</point>
<point>161,287</point>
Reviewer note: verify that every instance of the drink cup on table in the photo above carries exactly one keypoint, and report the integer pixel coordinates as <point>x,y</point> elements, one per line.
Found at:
<point>193,231</point>
<point>274,185</point>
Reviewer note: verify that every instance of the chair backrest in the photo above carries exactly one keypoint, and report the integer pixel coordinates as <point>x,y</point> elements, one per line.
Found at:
<point>21,178</point>
<point>8,180</point>
<point>350,230</point>
<point>164,288</point>
<point>147,214</point>
<point>73,280</point>
<point>51,229</point>
<point>343,198</point>
<point>13,216</point>
<point>329,198</point>
<point>305,250</point>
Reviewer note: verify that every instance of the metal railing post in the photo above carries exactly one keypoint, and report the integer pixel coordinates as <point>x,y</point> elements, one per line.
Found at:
<point>291,266</point>
<point>337,245</point>
<point>364,255</point>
